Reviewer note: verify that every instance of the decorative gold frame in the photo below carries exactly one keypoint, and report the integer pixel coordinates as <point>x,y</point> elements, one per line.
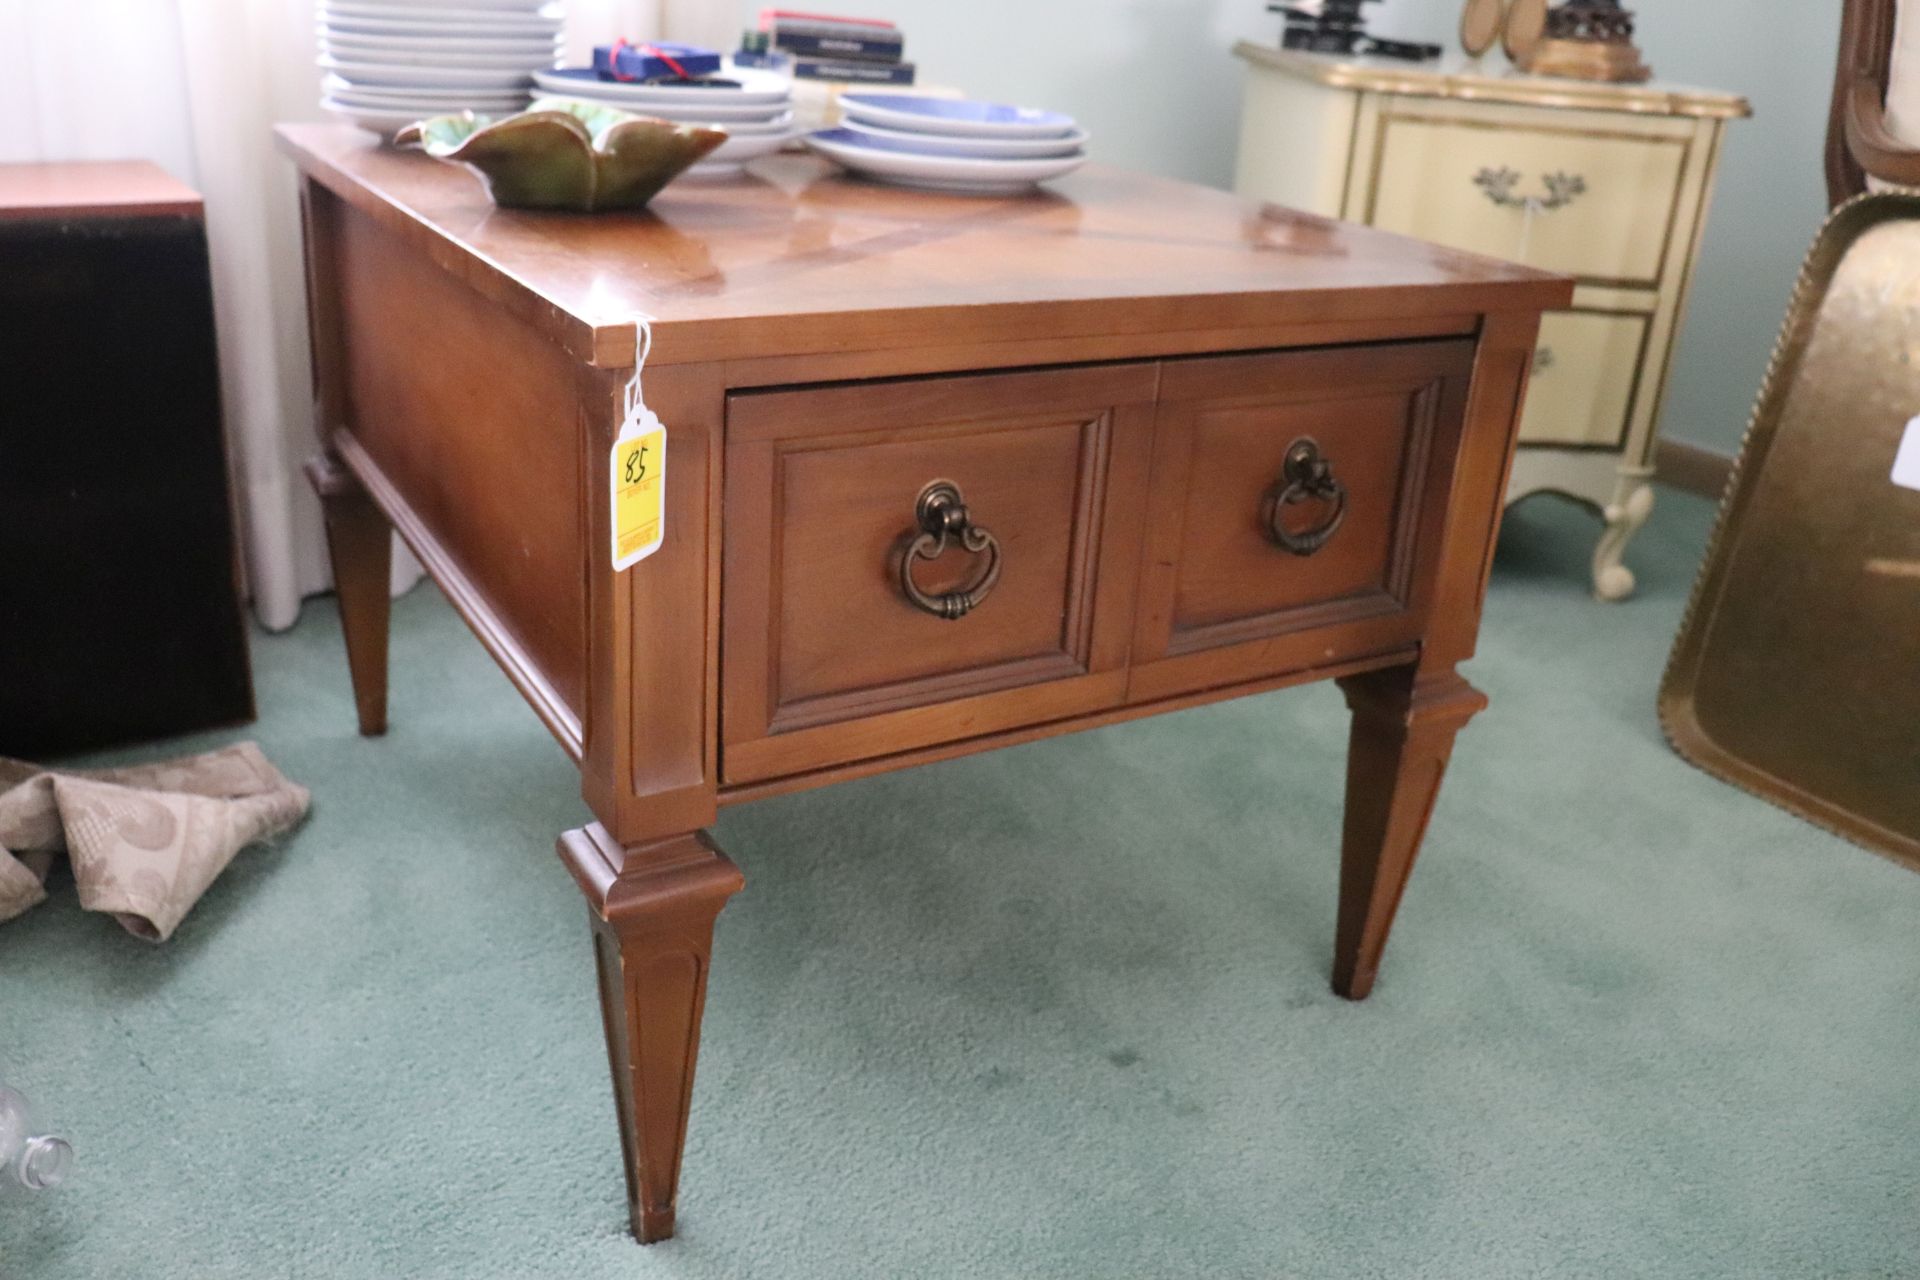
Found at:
<point>1796,673</point>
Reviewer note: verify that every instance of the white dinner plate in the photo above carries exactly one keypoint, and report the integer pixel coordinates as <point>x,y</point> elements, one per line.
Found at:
<point>730,155</point>
<point>780,127</point>
<point>701,112</point>
<point>945,173</point>
<point>425,75</point>
<point>763,123</point>
<point>439,101</point>
<point>523,63</point>
<point>423,111</point>
<point>443,14</point>
<point>954,116</point>
<point>442,6</point>
<point>441,49</point>
<point>756,87</point>
<point>381,121</point>
<point>948,144</point>
<point>531,29</point>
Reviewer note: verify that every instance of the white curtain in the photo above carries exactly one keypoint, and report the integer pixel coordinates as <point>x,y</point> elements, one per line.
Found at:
<point>196,86</point>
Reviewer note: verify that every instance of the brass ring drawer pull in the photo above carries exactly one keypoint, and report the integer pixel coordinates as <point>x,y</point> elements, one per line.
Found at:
<point>941,513</point>
<point>1562,190</point>
<point>1308,476</point>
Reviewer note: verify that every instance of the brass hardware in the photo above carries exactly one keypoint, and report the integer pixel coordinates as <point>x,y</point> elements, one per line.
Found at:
<point>1562,190</point>
<point>940,512</point>
<point>1308,476</point>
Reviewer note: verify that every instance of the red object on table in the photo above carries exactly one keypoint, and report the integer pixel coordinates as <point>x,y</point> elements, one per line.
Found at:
<point>770,16</point>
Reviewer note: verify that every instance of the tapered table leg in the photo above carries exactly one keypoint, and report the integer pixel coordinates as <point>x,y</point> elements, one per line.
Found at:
<point>1403,729</point>
<point>653,908</point>
<point>360,543</point>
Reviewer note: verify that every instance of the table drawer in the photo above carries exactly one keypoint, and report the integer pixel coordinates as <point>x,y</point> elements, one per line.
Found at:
<point>1020,615</point>
<point>1465,184</point>
<point>1585,374</point>
<point>1282,526</point>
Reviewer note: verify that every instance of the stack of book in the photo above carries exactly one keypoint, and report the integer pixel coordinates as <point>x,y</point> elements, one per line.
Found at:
<point>828,47</point>
<point>1323,26</point>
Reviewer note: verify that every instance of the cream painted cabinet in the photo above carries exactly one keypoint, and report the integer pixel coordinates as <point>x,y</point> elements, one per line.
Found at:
<point>1606,183</point>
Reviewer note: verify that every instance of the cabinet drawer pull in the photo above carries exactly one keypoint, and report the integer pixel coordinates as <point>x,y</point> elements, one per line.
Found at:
<point>1307,475</point>
<point>941,512</point>
<point>1562,190</point>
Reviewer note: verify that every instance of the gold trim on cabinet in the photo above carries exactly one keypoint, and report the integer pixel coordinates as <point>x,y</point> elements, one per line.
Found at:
<point>1683,292</point>
<point>1464,86</point>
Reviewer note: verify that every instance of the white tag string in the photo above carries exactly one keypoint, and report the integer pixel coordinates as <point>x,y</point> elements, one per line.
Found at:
<point>642,347</point>
<point>638,466</point>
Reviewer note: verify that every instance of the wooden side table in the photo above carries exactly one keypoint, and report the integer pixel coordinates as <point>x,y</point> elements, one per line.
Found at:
<point>942,474</point>
<point>1608,183</point>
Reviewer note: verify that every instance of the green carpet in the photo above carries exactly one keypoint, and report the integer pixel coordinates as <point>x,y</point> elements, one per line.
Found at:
<point>1061,1010</point>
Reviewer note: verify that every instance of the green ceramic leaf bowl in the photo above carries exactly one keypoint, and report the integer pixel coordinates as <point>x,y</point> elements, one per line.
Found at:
<point>566,155</point>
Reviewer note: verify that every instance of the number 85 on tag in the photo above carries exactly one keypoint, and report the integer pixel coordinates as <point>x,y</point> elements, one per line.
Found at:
<point>639,475</point>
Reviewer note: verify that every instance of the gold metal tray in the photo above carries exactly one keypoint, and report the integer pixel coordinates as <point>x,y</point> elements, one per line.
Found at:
<point>1796,674</point>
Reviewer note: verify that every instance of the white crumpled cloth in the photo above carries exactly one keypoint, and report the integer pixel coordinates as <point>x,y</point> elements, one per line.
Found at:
<point>145,840</point>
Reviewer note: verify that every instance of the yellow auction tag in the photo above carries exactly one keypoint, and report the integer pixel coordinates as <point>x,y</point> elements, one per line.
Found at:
<point>638,473</point>
<point>639,495</point>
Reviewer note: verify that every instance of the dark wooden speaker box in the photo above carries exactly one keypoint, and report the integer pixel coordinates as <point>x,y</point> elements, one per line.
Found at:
<point>120,609</point>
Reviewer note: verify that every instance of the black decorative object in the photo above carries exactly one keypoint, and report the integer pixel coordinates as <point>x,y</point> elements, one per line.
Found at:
<point>1332,26</point>
<point>1339,26</point>
<point>1591,20</point>
<point>1589,40</point>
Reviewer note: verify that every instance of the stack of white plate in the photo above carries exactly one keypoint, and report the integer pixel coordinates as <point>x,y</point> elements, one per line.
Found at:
<point>753,106</point>
<point>982,148</point>
<point>391,62</point>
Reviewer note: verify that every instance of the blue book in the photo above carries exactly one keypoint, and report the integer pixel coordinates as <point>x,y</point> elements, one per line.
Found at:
<point>650,61</point>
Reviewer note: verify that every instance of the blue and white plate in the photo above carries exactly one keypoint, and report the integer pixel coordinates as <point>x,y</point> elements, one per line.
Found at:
<point>960,117</point>
<point>974,175</point>
<point>947,144</point>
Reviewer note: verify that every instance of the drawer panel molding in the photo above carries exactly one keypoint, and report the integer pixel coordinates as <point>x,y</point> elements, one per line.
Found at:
<point>1222,591</point>
<point>1600,205</point>
<point>858,620</point>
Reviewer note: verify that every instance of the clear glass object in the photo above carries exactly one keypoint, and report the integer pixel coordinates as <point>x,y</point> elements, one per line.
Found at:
<point>32,1160</point>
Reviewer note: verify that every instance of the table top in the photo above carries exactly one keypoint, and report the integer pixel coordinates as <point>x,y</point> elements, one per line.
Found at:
<point>93,188</point>
<point>797,259</point>
<point>1492,79</point>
